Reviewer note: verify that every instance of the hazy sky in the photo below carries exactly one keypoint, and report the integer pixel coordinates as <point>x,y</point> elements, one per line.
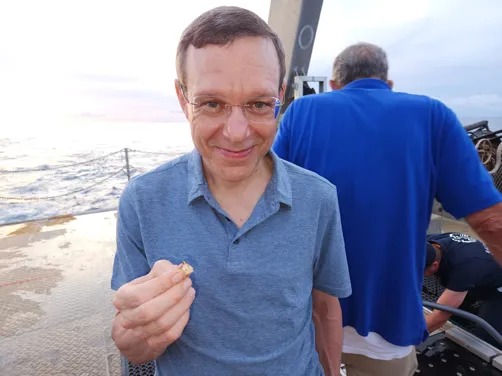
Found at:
<point>64,60</point>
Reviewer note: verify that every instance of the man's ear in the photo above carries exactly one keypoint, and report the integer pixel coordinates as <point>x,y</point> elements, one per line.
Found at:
<point>390,83</point>
<point>334,85</point>
<point>181,97</point>
<point>435,266</point>
<point>282,92</point>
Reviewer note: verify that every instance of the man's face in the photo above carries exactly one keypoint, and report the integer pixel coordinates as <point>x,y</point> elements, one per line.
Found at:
<point>232,143</point>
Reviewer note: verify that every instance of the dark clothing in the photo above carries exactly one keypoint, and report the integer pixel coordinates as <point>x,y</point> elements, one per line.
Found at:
<point>467,265</point>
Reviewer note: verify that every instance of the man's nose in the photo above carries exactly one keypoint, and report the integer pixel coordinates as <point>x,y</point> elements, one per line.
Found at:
<point>237,126</point>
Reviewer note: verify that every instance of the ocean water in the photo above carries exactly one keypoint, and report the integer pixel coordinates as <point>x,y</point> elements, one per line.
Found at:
<point>49,188</point>
<point>44,187</point>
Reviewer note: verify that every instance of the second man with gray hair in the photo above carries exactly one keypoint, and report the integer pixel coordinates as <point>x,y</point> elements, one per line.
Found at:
<point>390,155</point>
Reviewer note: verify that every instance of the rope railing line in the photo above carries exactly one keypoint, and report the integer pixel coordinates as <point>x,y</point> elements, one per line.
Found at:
<point>12,198</point>
<point>149,152</point>
<point>48,168</point>
<point>138,169</point>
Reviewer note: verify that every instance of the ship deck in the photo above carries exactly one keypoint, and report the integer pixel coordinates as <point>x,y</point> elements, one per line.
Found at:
<point>55,301</point>
<point>55,295</point>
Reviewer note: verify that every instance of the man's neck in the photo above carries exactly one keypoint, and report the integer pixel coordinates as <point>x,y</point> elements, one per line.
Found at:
<point>238,198</point>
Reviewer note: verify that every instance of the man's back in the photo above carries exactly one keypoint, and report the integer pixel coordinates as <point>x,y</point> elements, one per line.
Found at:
<point>389,154</point>
<point>467,265</point>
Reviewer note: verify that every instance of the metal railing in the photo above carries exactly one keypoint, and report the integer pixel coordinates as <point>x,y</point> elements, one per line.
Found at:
<point>127,168</point>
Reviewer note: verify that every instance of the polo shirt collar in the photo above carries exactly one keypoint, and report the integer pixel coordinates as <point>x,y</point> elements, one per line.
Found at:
<point>367,83</point>
<point>279,186</point>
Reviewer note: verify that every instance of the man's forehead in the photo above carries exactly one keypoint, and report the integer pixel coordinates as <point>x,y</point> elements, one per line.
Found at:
<point>250,62</point>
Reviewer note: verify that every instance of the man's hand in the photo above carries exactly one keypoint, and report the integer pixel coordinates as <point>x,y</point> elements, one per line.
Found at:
<point>436,319</point>
<point>152,312</point>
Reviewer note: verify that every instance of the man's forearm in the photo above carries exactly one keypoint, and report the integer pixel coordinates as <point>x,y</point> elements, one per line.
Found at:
<point>487,224</point>
<point>436,319</point>
<point>327,316</point>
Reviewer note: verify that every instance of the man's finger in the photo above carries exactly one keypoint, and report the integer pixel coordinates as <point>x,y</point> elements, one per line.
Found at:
<point>165,339</point>
<point>141,279</point>
<point>132,295</point>
<point>161,267</point>
<point>153,309</point>
<point>169,318</point>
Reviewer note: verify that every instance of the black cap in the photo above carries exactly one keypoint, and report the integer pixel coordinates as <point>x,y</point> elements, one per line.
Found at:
<point>431,255</point>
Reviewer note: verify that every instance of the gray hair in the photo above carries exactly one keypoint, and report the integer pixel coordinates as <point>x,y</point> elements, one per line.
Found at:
<point>223,25</point>
<point>361,60</point>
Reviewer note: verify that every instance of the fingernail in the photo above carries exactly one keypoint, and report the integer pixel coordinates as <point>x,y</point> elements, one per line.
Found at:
<point>187,283</point>
<point>178,277</point>
<point>191,291</point>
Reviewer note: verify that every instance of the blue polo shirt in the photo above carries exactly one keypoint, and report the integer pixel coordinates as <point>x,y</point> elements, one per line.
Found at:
<point>252,313</point>
<point>389,155</point>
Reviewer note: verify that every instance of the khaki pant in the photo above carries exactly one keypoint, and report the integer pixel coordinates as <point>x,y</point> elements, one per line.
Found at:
<point>360,365</point>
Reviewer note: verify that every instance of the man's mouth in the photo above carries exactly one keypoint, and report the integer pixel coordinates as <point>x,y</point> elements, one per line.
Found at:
<point>236,154</point>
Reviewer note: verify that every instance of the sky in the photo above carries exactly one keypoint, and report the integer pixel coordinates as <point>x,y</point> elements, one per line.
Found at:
<point>63,61</point>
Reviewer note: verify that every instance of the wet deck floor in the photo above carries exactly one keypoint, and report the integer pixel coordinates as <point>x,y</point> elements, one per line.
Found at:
<point>55,299</point>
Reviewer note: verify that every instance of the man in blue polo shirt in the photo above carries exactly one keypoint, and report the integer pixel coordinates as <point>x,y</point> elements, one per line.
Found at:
<point>263,235</point>
<point>389,154</point>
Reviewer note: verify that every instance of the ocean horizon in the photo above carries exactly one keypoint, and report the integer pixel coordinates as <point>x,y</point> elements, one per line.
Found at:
<point>49,188</point>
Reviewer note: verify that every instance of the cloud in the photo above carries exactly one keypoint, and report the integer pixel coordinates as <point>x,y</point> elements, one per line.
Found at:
<point>115,59</point>
<point>476,104</point>
<point>123,98</point>
<point>479,100</point>
<point>105,78</point>
<point>446,48</point>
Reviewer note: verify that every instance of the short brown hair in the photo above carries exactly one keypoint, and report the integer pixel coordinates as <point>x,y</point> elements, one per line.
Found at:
<point>223,25</point>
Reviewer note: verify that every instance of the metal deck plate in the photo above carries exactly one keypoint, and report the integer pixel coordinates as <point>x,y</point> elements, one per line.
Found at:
<point>55,297</point>
<point>56,312</point>
<point>439,356</point>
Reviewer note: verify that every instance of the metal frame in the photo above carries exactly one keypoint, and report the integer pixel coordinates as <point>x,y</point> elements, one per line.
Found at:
<point>300,80</point>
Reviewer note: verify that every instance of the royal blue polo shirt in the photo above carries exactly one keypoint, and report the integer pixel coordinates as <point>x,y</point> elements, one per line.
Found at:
<point>389,155</point>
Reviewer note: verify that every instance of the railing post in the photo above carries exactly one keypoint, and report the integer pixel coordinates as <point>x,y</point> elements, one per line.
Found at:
<point>128,170</point>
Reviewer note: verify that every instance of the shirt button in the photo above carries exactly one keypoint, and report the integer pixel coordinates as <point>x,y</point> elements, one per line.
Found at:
<point>236,241</point>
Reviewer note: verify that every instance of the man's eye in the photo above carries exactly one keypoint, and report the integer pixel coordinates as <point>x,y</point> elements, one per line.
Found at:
<point>212,104</point>
<point>260,105</point>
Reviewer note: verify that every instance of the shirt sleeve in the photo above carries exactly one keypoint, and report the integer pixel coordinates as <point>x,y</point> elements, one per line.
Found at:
<point>464,185</point>
<point>331,273</point>
<point>282,140</point>
<point>130,261</point>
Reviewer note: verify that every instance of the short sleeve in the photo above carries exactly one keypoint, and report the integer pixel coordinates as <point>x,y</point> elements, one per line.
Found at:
<point>331,273</point>
<point>464,185</point>
<point>282,140</point>
<point>130,261</point>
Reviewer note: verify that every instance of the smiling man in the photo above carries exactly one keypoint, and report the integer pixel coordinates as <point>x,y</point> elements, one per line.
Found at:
<point>263,236</point>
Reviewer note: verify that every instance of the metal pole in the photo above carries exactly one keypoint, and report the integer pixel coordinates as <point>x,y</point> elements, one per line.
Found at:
<point>126,151</point>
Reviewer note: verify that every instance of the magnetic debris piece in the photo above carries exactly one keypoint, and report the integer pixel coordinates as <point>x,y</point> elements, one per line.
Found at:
<point>186,268</point>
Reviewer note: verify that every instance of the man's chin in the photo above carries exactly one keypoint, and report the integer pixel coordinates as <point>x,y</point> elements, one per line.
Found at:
<point>236,174</point>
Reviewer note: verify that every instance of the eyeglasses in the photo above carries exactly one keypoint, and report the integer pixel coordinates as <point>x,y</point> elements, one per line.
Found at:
<point>256,110</point>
